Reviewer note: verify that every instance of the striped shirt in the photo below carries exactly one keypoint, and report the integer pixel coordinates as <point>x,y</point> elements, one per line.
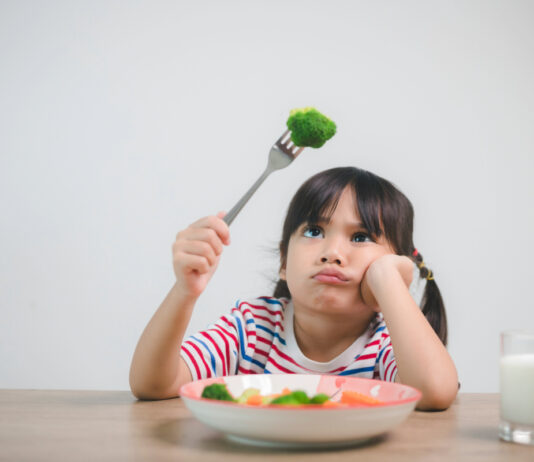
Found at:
<point>257,338</point>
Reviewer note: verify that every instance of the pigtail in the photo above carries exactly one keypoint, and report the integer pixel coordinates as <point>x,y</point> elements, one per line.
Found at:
<point>281,290</point>
<point>432,304</point>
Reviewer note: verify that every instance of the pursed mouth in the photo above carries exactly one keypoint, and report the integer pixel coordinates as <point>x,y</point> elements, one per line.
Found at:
<point>331,277</point>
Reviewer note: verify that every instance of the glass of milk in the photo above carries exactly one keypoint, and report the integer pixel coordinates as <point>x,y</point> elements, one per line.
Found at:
<point>517,387</point>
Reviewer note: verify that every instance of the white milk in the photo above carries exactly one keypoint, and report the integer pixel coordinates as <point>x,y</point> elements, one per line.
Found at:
<point>517,388</point>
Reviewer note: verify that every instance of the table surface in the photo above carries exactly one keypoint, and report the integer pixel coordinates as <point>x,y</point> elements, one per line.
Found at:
<point>42,425</point>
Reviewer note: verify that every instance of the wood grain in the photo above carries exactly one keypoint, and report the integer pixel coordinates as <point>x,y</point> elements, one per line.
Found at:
<point>53,425</point>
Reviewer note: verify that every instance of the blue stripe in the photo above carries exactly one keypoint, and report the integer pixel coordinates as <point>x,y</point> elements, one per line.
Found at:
<point>382,351</point>
<point>356,371</point>
<point>271,301</point>
<point>209,351</point>
<point>242,344</point>
<point>240,332</point>
<point>236,363</point>
<point>274,334</point>
<point>250,321</point>
<point>380,329</point>
<point>380,354</point>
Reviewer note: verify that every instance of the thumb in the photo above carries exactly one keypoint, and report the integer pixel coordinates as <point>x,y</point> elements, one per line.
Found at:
<point>221,215</point>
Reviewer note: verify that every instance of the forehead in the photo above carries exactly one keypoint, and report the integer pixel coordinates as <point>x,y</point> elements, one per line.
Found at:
<point>341,204</point>
<point>344,206</point>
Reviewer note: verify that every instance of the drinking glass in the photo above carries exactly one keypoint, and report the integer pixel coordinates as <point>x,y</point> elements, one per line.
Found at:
<point>517,387</point>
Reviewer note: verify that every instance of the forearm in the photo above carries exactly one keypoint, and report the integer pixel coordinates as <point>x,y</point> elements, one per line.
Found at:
<point>422,360</point>
<point>155,364</point>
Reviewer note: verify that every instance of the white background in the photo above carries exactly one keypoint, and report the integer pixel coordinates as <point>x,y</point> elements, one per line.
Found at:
<point>122,122</point>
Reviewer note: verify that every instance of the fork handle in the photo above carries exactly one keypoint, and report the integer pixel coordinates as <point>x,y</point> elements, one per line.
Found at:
<point>229,217</point>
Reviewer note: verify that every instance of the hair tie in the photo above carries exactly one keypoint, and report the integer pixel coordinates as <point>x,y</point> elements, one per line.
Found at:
<point>415,252</point>
<point>429,276</point>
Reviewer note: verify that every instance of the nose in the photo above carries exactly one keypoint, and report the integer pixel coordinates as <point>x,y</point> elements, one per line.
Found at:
<point>332,252</point>
<point>337,261</point>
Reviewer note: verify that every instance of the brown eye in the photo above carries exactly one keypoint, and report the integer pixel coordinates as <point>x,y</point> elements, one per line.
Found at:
<point>312,231</point>
<point>361,237</point>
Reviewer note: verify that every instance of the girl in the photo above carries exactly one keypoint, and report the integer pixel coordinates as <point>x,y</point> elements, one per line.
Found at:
<point>354,298</point>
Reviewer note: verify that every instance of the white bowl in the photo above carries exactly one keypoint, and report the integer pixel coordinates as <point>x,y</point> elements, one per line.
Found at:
<point>304,425</point>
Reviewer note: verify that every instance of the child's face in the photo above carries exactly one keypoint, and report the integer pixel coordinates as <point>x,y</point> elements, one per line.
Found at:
<point>326,263</point>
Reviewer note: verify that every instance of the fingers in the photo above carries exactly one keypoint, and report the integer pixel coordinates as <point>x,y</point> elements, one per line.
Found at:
<point>217,225</point>
<point>192,263</point>
<point>200,238</point>
<point>198,247</point>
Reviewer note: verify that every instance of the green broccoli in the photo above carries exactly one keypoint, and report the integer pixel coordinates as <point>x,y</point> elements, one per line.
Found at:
<point>319,398</point>
<point>309,127</point>
<point>217,391</point>
<point>296,398</point>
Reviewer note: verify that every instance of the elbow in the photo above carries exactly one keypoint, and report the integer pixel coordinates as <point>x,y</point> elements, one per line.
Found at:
<point>435,402</point>
<point>439,397</point>
<point>140,389</point>
<point>146,391</point>
<point>137,389</point>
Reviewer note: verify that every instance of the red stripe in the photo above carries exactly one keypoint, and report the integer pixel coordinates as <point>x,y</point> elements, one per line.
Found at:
<point>386,373</point>
<point>374,342</point>
<point>197,370</point>
<point>230,323</point>
<point>261,307</point>
<point>386,356</point>
<point>261,352</point>
<point>370,356</point>
<point>227,348</point>
<point>393,372</point>
<point>264,340</point>
<point>246,310</point>
<point>246,371</point>
<point>277,323</point>
<point>219,352</point>
<point>338,369</point>
<point>233,337</point>
<point>283,369</point>
<point>201,357</point>
<point>288,358</point>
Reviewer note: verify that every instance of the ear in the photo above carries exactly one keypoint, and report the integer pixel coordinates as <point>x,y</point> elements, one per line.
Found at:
<point>282,273</point>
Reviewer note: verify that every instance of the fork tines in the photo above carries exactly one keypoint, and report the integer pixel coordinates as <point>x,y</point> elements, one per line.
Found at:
<point>285,143</point>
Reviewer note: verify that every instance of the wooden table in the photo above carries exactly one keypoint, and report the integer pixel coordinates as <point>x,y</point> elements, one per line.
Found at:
<point>111,425</point>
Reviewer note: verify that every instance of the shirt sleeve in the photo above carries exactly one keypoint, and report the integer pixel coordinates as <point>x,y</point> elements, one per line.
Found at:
<point>387,365</point>
<point>213,352</point>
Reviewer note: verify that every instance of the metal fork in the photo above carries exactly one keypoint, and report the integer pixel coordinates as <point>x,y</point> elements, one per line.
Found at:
<point>281,155</point>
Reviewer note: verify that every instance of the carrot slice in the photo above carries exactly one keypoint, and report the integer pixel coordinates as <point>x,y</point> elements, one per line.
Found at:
<point>353,397</point>
<point>254,400</point>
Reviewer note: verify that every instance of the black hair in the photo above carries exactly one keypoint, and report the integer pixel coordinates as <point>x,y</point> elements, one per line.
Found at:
<point>378,202</point>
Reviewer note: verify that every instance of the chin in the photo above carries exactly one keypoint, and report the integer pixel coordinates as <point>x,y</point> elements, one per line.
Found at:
<point>332,304</point>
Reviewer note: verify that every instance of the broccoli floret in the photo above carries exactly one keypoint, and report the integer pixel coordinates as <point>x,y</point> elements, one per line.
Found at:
<point>294,398</point>
<point>217,391</point>
<point>309,127</point>
<point>319,398</point>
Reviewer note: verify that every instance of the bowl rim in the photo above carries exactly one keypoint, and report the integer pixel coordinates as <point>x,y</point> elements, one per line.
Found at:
<point>309,407</point>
